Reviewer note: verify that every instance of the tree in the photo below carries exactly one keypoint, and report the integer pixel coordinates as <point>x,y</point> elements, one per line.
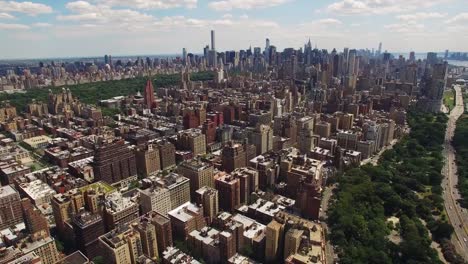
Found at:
<point>442,230</point>
<point>247,250</point>
<point>59,245</point>
<point>99,260</point>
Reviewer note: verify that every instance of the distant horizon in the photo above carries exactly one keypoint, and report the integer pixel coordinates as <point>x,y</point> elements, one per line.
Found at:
<point>173,55</point>
<point>72,28</point>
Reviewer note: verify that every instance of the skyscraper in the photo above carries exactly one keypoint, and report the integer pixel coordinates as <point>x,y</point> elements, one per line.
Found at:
<point>431,59</point>
<point>184,56</point>
<point>149,95</point>
<point>213,47</point>
<point>213,55</point>
<point>412,56</point>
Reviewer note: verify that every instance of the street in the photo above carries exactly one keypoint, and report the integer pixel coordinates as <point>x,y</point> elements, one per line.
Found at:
<point>457,216</point>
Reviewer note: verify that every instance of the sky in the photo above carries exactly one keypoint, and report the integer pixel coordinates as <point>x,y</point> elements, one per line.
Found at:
<point>64,28</point>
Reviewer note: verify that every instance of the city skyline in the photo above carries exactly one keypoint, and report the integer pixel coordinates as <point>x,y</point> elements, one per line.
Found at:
<point>81,28</point>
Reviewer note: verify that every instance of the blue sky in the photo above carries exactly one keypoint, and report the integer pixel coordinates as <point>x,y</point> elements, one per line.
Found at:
<point>63,28</point>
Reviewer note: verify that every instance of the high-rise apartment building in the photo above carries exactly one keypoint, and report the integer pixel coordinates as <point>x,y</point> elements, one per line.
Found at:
<point>10,207</point>
<point>185,219</point>
<point>44,247</point>
<point>35,221</point>
<point>118,210</point>
<point>65,206</point>
<point>233,157</point>
<point>147,160</point>
<point>209,129</point>
<point>87,228</point>
<point>323,129</point>
<point>199,173</point>
<point>208,198</point>
<point>114,161</point>
<point>121,246</point>
<point>348,139</point>
<point>149,242</point>
<point>248,182</point>
<point>193,140</point>
<point>166,154</point>
<point>262,138</point>
<point>273,241</point>
<point>178,186</point>
<point>156,199</point>
<point>163,230</point>
<point>229,192</point>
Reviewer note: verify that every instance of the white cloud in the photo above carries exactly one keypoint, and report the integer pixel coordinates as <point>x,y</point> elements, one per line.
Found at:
<point>421,16</point>
<point>29,8</point>
<point>181,22</point>
<point>150,4</point>
<point>406,27</point>
<point>41,25</point>
<point>322,24</point>
<point>100,16</point>
<point>460,18</point>
<point>226,5</point>
<point>329,21</point>
<point>4,26</point>
<point>349,7</point>
<point>84,12</point>
<point>6,16</point>
<point>363,7</point>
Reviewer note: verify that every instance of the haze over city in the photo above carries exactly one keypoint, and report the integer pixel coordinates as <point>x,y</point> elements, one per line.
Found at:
<point>47,28</point>
<point>233,132</point>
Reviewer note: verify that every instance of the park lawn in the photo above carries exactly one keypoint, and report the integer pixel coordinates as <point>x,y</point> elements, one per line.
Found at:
<point>449,99</point>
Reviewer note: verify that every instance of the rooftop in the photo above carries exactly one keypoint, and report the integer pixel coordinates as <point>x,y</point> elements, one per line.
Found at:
<point>185,212</point>
<point>239,259</point>
<point>116,202</point>
<point>100,185</point>
<point>37,189</point>
<point>252,228</point>
<point>7,190</point>
<point>175,256</point>
<point>74,258</point>
<point>206,235</point>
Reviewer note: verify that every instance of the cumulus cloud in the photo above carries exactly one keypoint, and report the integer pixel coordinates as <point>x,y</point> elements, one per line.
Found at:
<point>100,16</point>
<point>42,25</point>
<point>421,16</point>
<point>460,18</point>
<point>150,4</point>
<point>226,5</point>
<point>4,26</point>
<point>85,12</point>
<point>329,21</point>
<point>407,27</point>
<point>6,16</point>
<point>363,7</point>
<point>29,8</point>
<point>181,21</point>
